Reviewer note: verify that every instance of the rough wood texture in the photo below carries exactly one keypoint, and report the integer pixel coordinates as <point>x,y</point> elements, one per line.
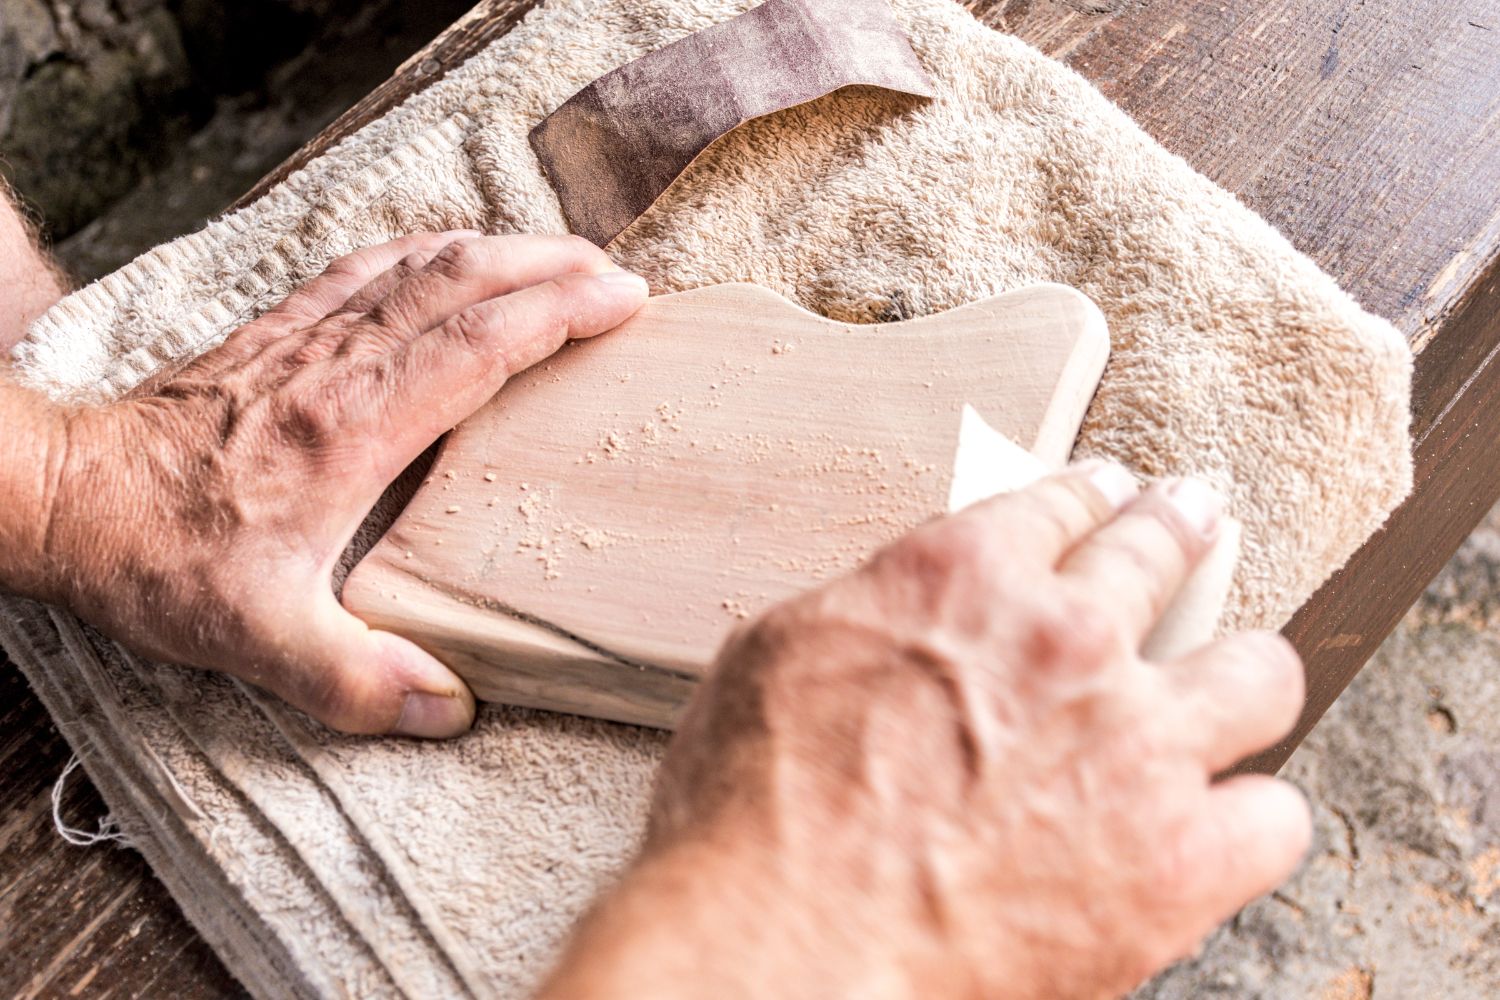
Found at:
<point>585,541</point>
<point>1369,132</point>
<point>74,921</point>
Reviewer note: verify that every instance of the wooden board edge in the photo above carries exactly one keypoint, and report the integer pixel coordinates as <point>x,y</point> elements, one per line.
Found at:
<point>1084,370</point>
<point>506,659</point>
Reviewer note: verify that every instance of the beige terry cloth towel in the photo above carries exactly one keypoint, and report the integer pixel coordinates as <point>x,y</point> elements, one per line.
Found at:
<point>321,865</point>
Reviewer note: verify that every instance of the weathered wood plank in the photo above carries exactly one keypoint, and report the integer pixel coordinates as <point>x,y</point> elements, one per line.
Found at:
<point>1368,132</point>
<point>86,922</point>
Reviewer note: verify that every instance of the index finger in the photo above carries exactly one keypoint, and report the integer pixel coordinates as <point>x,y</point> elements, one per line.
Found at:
<point>468,272</point>
<point>1142,557</point>
<point>346,275</point>
<point>448,373</point>
<point>1047,518</point>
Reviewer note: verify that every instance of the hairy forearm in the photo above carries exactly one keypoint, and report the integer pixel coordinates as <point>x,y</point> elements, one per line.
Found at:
<point>31,456</point>
<point>30,282</point>
<point>708,919</point>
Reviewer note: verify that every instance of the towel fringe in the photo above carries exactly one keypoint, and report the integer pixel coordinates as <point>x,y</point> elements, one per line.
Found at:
<point>109,830</point>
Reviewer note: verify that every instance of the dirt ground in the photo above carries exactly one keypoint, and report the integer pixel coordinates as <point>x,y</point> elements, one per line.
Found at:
<point>1399,896</point>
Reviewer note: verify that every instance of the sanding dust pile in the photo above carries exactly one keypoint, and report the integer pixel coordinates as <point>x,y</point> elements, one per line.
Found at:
<point>326,866</point>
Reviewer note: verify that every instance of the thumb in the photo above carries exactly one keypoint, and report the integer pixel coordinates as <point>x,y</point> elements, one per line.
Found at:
<point>356,679</point>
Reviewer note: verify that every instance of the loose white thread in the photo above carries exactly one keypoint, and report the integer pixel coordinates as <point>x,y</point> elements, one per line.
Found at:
<point>109,830</point>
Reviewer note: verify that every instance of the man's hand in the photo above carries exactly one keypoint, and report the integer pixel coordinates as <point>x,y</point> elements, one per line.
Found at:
<point>199,520</point>
<point>952,774</point>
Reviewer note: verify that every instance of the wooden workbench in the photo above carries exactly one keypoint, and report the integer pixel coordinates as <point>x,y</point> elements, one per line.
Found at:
<point>1368,132</point>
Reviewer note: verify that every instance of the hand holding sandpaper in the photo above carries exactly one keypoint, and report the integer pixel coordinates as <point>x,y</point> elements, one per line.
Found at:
<point>615,146</point>
<point>956,772</point>
<point>953,774</point>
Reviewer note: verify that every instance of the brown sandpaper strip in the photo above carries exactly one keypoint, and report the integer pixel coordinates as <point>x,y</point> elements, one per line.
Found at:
<point>612,148</point>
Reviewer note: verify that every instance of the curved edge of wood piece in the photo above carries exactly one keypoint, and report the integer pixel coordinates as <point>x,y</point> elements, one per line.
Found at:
<point>510,656</point>
<point>1079,380</point>
<point>1062,304</point>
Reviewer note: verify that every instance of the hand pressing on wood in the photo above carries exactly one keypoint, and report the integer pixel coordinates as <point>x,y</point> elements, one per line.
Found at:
<point>953,774</point>
<point>198,521</point>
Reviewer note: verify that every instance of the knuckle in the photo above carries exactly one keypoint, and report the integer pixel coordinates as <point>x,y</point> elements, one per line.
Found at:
<point>380,373</point>
<point>932,556</point>
<point>315,348</point>
<point>1049,510</point>
<point>558,295</point>
<point>1067,632</point>
<point>1133,555</point>
<point>351,265</point>
<point>757,648</point>
<point>1181,537</point>
<point>1135,570</point>
<point>477,327</point>
<point>308,418</point>
<point>459,260</point>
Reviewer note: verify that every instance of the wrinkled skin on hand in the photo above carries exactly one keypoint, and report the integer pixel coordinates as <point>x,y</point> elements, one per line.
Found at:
<point>199,520</point>
<point>952,773</point>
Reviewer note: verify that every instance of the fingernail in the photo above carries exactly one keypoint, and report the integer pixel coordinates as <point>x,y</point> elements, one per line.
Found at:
<point>1111,479</point>
<point>623,279</point>
<point>434,716</point>
<point>1198,503</point>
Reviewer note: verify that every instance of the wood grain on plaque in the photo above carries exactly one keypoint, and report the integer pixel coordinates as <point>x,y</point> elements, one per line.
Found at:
<point>586,540</point>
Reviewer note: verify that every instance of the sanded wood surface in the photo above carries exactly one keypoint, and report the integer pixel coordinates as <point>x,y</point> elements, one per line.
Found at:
<point>1368,131</point>
<point>586,541</point>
